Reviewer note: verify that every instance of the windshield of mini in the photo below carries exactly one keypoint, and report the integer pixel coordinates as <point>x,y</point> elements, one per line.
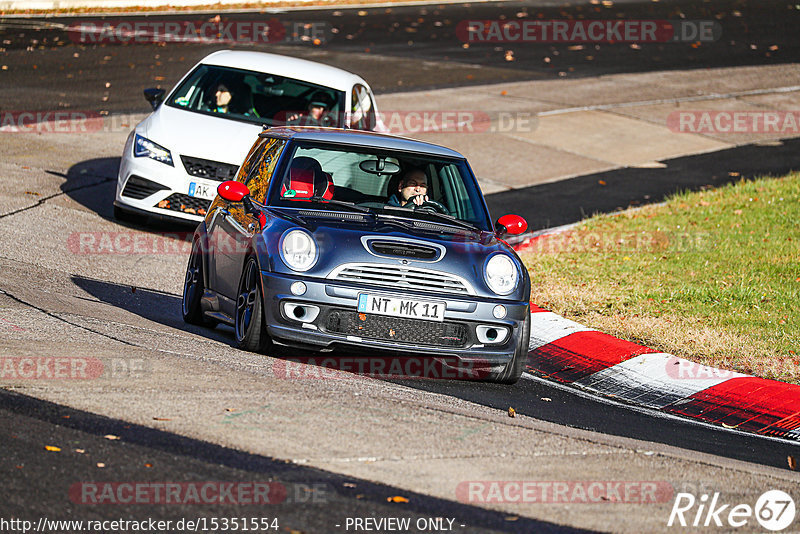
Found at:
<point>257,97</point>
<point>404,185</point>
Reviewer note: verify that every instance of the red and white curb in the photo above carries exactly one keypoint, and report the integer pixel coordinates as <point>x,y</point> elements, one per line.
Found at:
<point>570,353</point>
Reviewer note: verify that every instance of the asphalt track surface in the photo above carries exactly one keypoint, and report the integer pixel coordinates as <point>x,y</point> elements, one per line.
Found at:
<point>74,76</point>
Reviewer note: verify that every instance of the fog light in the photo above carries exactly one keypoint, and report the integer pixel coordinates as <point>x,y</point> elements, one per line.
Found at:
<point>305,313</point>
<point>298,288</point>
<point>499,311</point>
<point>487,334</point>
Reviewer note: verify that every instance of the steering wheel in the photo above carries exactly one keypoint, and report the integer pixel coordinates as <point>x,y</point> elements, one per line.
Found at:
<point>428,205</point>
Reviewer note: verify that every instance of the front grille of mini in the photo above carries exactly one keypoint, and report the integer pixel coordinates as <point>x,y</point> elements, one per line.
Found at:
<point>397,329</point>
<point>138,188</point>
<point>402,278</point>
<point>211,170</point>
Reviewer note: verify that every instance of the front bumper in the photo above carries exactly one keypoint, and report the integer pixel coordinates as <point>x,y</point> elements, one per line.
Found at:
<point>162,191</point>
<point>338,325</point>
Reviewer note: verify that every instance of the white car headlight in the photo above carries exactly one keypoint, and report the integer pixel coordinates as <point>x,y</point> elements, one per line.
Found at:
<point>298,250</point>
<point>145,148</point>
<point>501,274</point>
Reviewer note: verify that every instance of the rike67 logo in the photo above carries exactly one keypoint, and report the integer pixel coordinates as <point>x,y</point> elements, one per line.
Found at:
<point>774,510</point>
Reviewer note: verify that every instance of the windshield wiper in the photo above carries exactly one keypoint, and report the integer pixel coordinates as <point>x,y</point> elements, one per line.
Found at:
<point>448,218</point>
<point>350,205</point>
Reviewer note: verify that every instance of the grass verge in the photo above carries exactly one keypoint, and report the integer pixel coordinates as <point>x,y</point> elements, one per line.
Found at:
<point>710,276</point>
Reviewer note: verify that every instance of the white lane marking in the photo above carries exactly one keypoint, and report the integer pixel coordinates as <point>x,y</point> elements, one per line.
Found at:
<point>547,327</point>
<point>655,380</point>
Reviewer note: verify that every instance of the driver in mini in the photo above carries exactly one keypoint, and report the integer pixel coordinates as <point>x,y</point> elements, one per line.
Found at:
<point>412,188</point>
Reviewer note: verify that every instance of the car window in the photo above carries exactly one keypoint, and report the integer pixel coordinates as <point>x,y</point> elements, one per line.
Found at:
<point>362,112</point>
<point>259,173</point>
<point>252,96</point>
<point>370,177</point>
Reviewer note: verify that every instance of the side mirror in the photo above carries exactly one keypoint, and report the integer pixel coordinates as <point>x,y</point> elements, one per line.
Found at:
<point>232,191</point>
<point>510,225</point>
<point>154,96</point>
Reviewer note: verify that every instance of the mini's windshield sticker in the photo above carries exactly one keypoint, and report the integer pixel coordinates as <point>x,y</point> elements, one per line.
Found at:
<point>290,193</point>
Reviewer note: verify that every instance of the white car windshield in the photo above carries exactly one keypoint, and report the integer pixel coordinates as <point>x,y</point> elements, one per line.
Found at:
<point>383,182</point>
<point>257,97</point>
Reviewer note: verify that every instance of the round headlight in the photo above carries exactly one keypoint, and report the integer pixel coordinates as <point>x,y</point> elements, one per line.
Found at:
<point>501,274</point>
<point>298,250</point>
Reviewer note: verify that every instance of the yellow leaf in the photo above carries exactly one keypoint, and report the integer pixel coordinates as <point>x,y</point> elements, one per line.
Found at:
<point>396,498</point>
<point>111,436</point>
<point>52,448</point>
<point>512,412</point>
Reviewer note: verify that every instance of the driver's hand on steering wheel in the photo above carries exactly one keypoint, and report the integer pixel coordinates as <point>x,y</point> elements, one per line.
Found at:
<point>419,200</point>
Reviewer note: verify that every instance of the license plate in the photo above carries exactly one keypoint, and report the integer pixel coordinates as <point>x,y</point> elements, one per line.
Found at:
<point>201,190</point>
<point>400,307</point>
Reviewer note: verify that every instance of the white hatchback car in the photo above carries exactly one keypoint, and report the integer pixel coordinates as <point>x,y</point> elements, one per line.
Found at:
<point>200,133</point>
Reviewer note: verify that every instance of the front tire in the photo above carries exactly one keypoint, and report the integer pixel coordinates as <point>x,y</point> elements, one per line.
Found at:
<point>514,369</point>
<point>251,332</point>
<point>194,287</point>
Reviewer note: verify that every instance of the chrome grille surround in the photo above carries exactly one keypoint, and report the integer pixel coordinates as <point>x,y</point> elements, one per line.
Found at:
<point>402,277</point>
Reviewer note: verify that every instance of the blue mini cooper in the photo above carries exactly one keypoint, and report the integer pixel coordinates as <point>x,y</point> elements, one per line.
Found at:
<point>339,239</point>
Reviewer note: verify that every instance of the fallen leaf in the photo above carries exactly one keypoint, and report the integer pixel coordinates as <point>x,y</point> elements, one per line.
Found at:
<point>148,465</point>
<point>349,485</point>
<point>547,399</point>
<point>792,462</point>
<point>512,412</point>
<point>111,436</point>
<point>52,448</point>
<point>100,464</point>
<point>729,426</point>
<point>601,182</point>
<point>511,518</point>
<point>396,498</point>
<point>80,451</point>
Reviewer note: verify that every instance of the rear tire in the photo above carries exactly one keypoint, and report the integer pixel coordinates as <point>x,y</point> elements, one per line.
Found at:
<point>514,369</point>
<point>251,332</point>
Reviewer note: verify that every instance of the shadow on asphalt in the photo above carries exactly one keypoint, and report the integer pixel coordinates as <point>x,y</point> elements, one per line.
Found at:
<point>92,184</point>
<point>157,306</point>
<point>174,456</point>
<point>527,397</point>
<point>572,200</point>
